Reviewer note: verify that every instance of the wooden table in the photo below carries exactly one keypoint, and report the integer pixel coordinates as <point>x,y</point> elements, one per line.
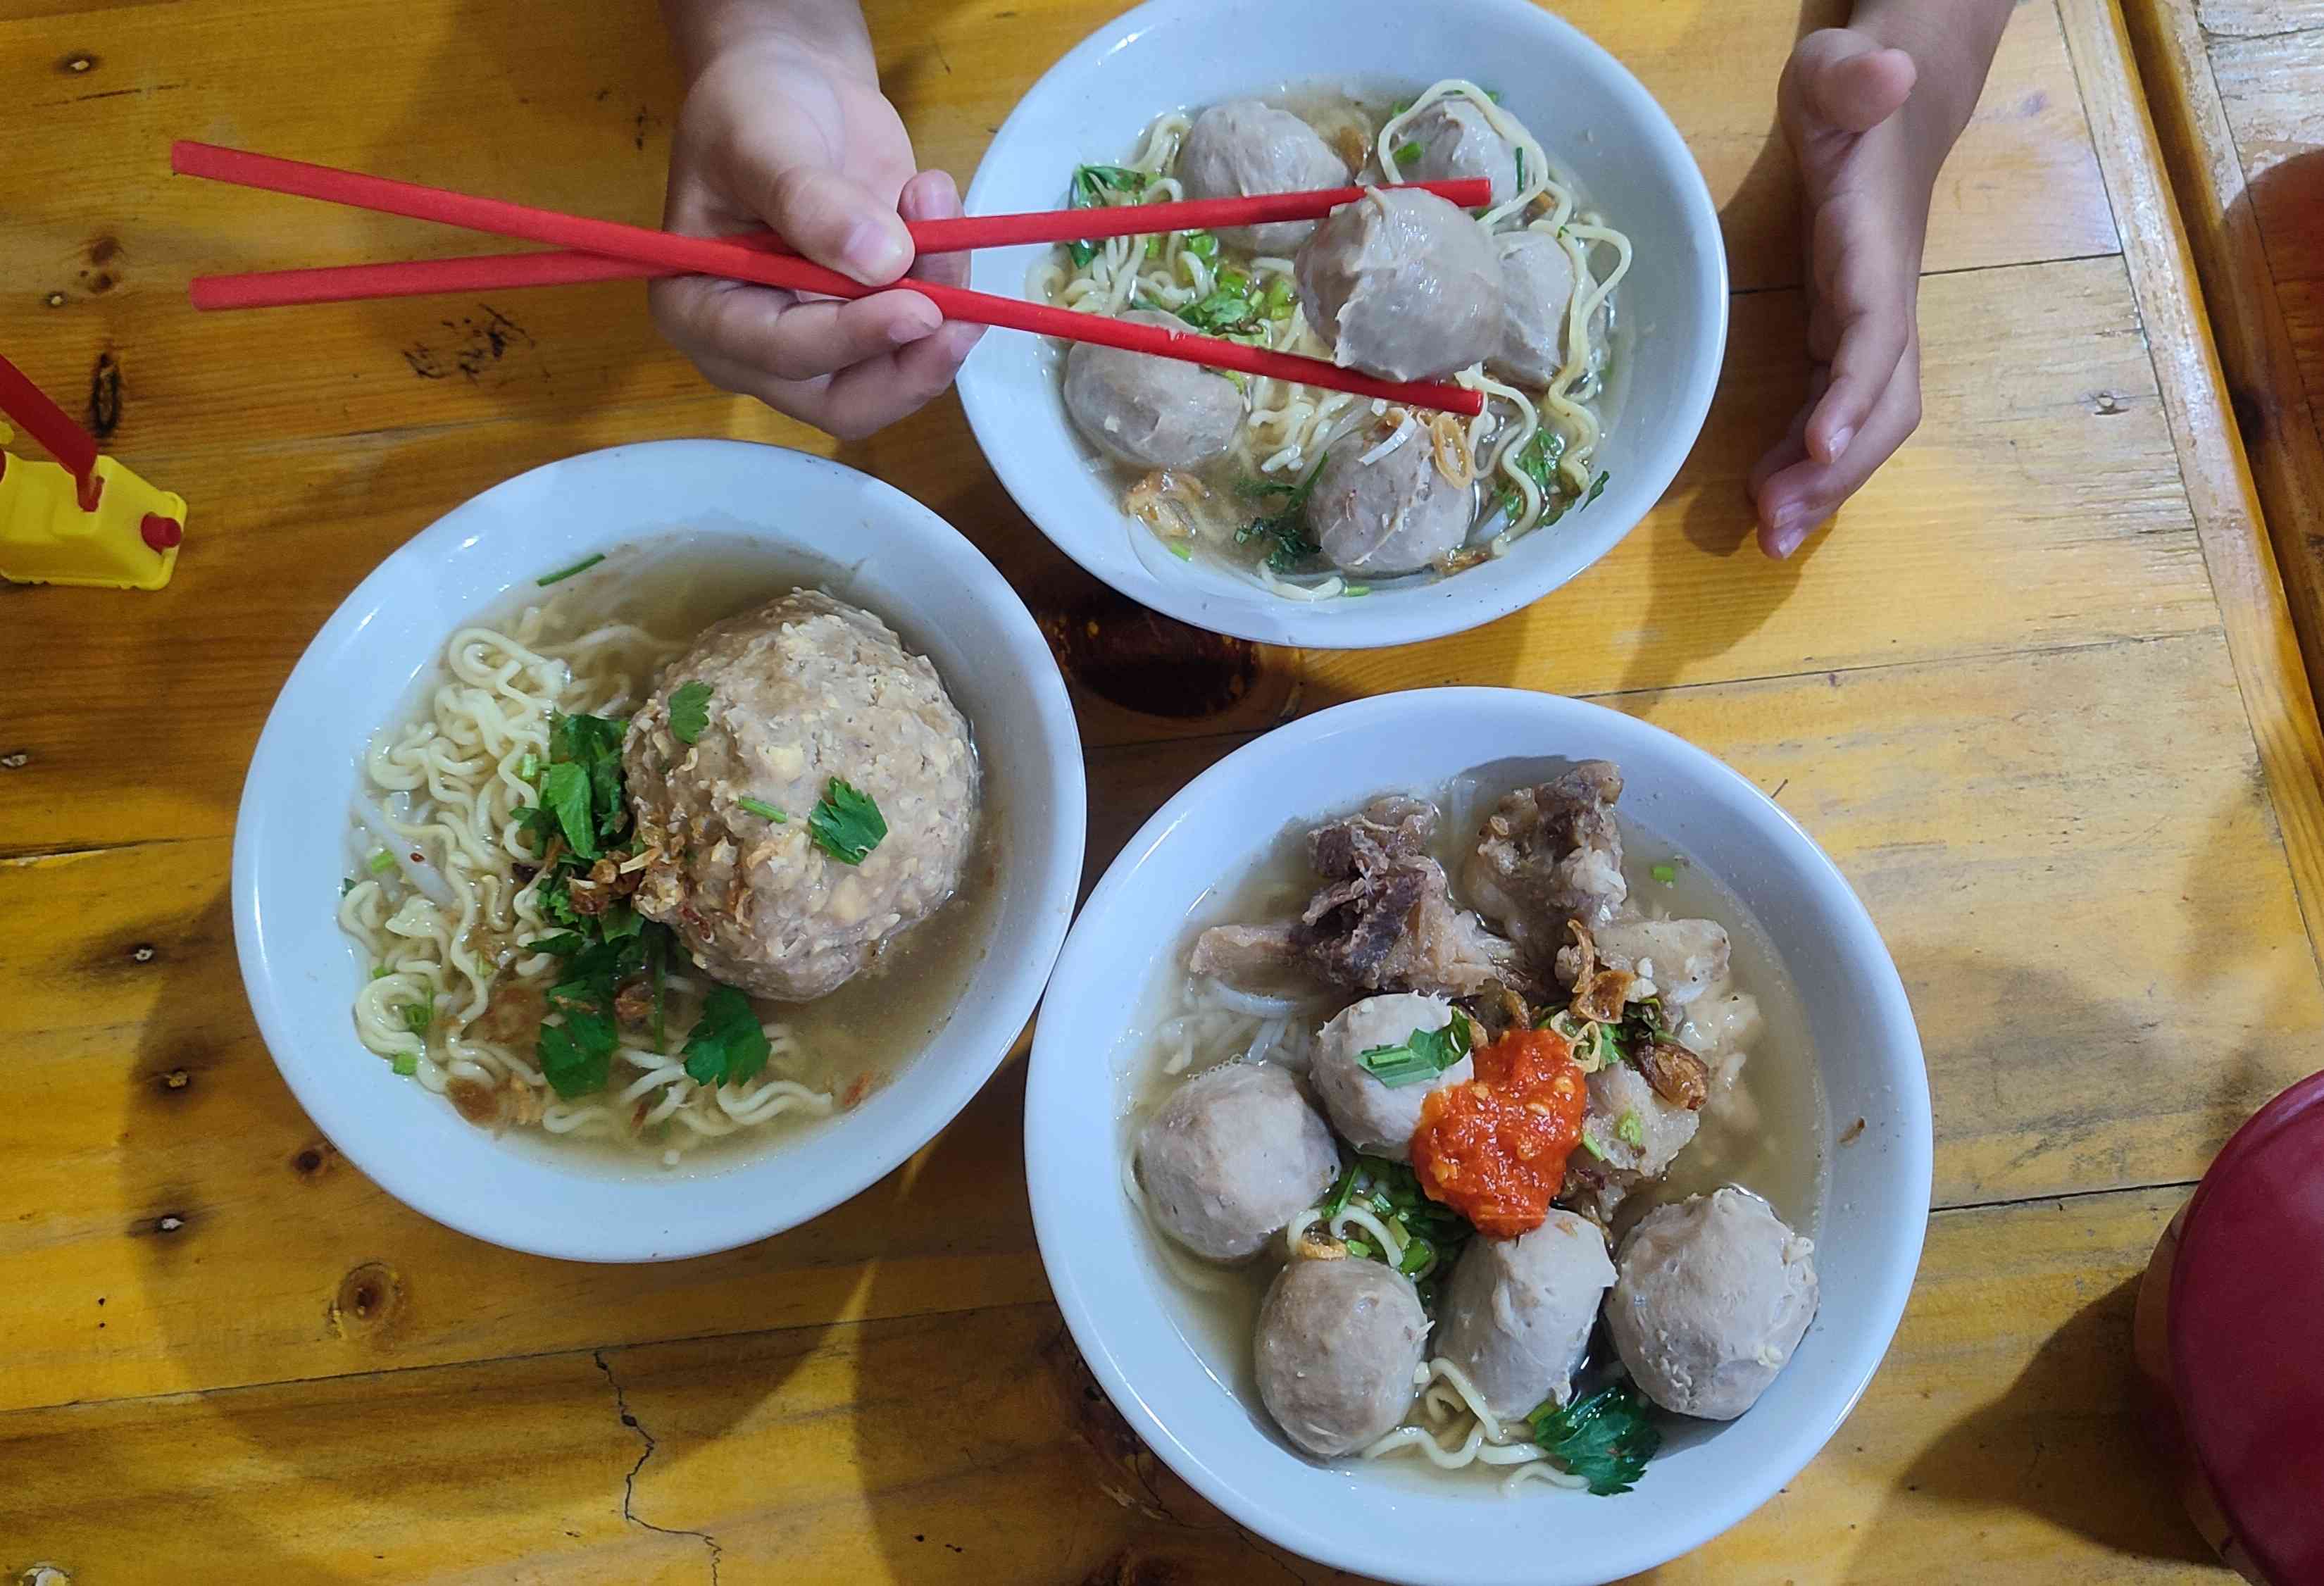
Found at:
<point>2238,90</point>
<point>2038,694</point>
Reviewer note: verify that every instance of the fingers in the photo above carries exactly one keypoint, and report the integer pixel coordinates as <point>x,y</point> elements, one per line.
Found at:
<point>1842,80</point>
<point>932,196</point>
<point>831,219</point>
<point>1799,495</point>
<point>774,333</point>
<point>1862,314</point>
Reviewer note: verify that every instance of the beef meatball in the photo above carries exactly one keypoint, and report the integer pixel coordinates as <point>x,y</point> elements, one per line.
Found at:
<point>1232,1156</point>
<point>1150,412</point>
<point>1402,284</point>
<point>1244,148</point>
<point>1517,1312</point>
<point>1369,1115</point>
<point>1454,139</point>
<point>1536,301</point>
<point>1340,1344</point>
<point>1393,514</point>
<point>1714,1294</point>
<point>803,692</point>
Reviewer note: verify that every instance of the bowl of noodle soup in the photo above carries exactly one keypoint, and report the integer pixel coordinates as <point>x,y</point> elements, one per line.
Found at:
<point>1569,454</point>
<point>432,930</point>
<point>1179,1337</point>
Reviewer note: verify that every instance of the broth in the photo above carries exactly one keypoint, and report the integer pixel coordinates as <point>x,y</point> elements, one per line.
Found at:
<point>1770,1134</point>
<point>864,1034</point>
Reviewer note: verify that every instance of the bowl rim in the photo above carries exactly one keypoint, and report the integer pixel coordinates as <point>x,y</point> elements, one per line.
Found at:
<point>1445,605</point>
<point>1792,1445</point>
<point>1021,973</point>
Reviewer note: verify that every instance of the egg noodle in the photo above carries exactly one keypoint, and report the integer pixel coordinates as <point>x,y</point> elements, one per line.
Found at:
<point>1287,426</point>
<point>445,900</point>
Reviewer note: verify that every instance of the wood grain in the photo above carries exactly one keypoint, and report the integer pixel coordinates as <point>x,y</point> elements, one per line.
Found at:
<point>2040,505</point>
<point>969,1449</point>
<point>2110,975</point>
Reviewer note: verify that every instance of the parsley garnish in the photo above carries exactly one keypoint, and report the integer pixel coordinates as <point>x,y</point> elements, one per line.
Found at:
<point>1091,185</point>
<point>582,565</point>
<point>1539,460</point>
<point>727,1046</point>
<point>762,809</point>
<point>1286,528</point>
<point>1421,1055</point>
<point>565,794</point>
<point>689,711</point>
<point>1606,1437</point>
<point>846,822</point>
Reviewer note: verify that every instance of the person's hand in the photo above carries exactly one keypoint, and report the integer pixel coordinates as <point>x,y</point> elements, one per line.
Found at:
<point>1868,171</point>
<point>796,136</point>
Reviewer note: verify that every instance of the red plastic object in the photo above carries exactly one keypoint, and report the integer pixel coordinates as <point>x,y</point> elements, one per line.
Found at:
<point>46,423</point>
<point>2246,1337</point>
<point>738,261</point>
<point>344,283</point>
<point>160,532</point>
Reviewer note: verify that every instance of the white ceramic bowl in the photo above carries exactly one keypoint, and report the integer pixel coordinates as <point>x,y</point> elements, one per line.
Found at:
<point>902,561</point>
<point>1127,1312</point>
<point>1584,106</point>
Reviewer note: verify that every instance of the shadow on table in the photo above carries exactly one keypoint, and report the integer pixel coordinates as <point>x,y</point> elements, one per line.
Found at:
<point>1992,1461</point>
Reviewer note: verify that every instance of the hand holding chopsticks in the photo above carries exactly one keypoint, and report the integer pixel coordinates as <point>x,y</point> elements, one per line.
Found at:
<point>644,251</point>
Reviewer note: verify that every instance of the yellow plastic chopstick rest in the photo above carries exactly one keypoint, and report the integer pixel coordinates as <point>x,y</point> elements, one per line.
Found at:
<point>129,542</point>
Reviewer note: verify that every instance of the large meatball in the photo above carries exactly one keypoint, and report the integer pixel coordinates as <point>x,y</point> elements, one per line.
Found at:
<point>1369,1115</point>
<point>1452,139</point>
<point>1516,1313</point>
<point>1395,515</point>
<point>1714,1296</point>
<point>803,692</point>
<point>1232,1156</point>
<point>1403,285</point>
<point>1150,412</point>
<point>1536,301</point>
<point>1244,148</point>
<point>1340,1344</point>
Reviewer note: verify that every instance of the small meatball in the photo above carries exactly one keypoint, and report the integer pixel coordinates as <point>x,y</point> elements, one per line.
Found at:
<point>803,690</point>
<point>1340,1343</point>
<point>1150,412</point>
<point>1244,148</point>
<point>1713,1296</point>
<point>1395,515</point>
<point>1517,1312</point>
<point>1368,1115</point>
<point>1403,285</point>
<point>1722,1023</point>
<point>1455,140</point>
<point>1232,1156</point>
<point>1537,298</point>
<point>1631,1134</point>
<point>1677,959</point>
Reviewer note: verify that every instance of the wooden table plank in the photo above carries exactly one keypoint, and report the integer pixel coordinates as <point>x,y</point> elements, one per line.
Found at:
<point>971,1449</point>
<point>2110,975</point>
<point>2038,506</point>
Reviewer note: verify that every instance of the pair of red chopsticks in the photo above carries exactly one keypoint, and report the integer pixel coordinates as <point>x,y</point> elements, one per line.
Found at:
<point>604,250</point>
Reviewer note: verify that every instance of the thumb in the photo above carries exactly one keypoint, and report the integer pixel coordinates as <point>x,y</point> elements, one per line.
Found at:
<point>831,220</point>
<point>1847,81</point>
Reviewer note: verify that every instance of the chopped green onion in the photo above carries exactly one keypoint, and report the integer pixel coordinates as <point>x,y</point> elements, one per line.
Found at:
<point>1233,281</point>
<point>1399,107</point>
<point>1202,245</point>
<point>1631,1131</point>
<point>1418,1254</point>
<point>1521,180</point>
<point>1354,590</point>
<point>1406,153</point>
<point>1177,548</point>
<point>380,972</point>
<point>529,768</point>
<point>1590,1145</point>
<point>1666,873</point>
<point>406,1065</point>
<point>1362,1248</point>
<point>1154,246</point>
<point>418,1016</point>
<point>582,565</point>
<point>762,809</point>
<point>1276,302</point>
<point>1494,94</point>
<point>380,862</point>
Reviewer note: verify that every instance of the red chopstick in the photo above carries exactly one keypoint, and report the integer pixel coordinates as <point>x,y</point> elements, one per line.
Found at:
<point>47,423</point>
<point>742,262</point>
<point>342,283</point>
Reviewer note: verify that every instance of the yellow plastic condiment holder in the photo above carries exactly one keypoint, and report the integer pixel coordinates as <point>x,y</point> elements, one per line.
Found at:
<point>129,542</point>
